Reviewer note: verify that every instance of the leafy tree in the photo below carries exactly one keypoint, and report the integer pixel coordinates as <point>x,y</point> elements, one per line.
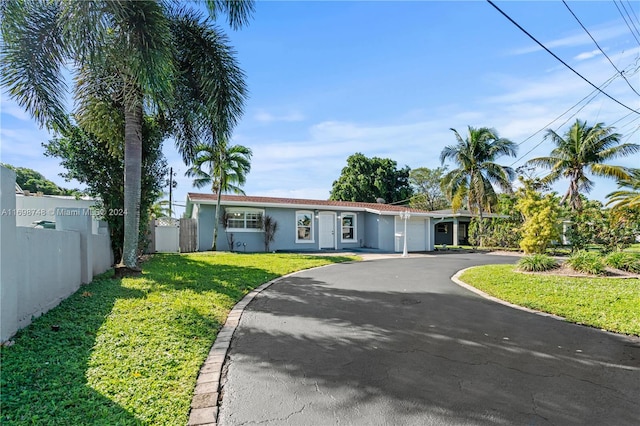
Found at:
<point>369,179</point>
<point>31,180</point>
<point>477,172</point>
<point>89,160</point>
<point>127,57</point>
<point>594,225</point>
<point>584,148</point>
<point>502,231</point>
<point>223,167</point>
<point>427,189</point>
<point>540,227</point>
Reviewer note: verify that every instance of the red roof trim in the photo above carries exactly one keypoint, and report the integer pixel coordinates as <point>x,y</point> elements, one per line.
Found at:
<point>194,197</point>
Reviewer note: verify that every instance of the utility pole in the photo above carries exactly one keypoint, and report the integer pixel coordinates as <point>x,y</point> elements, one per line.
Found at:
<point>170,192</point>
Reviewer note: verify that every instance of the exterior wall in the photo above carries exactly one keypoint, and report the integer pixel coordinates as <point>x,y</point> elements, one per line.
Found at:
<point>285,237</point>
<point>386,236</point>
<point>8,256</point>
<point>35,208</point>
<point>371,228</point>
<point>49,270</point>
<point>41,267</point>
<point>102,253</point>
<point>206,216</point>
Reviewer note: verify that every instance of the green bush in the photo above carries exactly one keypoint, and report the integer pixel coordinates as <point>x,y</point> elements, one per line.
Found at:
<point>537,263</point>
<point>588,262</point>
<point>625,261</point>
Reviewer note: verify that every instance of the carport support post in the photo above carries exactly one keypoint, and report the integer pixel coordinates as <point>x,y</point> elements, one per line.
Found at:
<point>455,232</point>
<point>405,215</point>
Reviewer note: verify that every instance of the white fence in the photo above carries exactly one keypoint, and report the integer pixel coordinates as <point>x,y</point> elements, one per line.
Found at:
<point>41,267</point>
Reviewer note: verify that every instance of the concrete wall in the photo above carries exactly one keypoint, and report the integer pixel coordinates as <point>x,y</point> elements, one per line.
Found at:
<point>41,267</point>
<point>32,208</point>
<point>49,270</point>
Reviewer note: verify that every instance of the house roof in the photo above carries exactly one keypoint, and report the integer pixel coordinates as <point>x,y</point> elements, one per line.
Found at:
<point>246,200</point>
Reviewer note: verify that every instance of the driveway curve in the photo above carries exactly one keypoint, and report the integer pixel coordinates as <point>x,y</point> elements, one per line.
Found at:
<point>395,342</point>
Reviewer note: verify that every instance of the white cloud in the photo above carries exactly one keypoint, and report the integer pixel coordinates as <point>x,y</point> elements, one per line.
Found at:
<point>267,117</point>
<point>587,55</point>
<point>604,32</point>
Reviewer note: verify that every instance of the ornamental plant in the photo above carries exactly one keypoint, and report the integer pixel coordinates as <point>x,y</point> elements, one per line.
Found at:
<point>540,225</point>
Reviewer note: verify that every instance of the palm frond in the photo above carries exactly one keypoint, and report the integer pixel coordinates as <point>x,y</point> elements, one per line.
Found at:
<point>33,54</point>
<point>238,12</point>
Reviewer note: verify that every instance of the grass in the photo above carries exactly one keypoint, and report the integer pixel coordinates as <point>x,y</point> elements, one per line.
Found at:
<point>128,351</point>
<point>606,303</point>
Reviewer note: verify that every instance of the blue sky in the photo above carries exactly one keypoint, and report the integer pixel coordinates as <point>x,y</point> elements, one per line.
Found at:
<point>389,79</point>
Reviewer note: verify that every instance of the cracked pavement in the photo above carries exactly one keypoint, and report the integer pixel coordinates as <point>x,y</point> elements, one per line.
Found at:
<point>395,341</point>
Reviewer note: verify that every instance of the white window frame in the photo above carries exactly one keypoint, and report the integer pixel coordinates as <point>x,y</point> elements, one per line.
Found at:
<point>245,211</point>
<point>311,226</point>
<point>354,226</point>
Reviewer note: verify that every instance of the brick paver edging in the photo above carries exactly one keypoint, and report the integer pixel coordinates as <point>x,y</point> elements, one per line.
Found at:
<point>204,405</point>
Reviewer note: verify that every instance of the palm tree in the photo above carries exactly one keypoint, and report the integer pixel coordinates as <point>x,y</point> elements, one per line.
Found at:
<point>128,57</point>
<point>583,148</point>
<point>627,198</point>
<point>477,171</point>
<point>225,168</point>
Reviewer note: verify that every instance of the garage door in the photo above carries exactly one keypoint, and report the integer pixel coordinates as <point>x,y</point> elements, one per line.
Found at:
<point>416,234</point>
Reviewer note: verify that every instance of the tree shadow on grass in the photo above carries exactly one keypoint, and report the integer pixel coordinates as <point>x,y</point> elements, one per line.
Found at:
<point>316,350</point>
<point>44,372</point>
<point>139,341</point>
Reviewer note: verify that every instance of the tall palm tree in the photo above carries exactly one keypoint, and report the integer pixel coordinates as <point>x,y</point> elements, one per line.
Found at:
<point>476,170</point>
<point>584,148</point>
<point>127,57</point>
<point>223,167</point>
<point>629,197</point>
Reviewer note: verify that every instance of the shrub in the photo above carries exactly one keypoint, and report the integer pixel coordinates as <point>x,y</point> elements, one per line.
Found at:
<point>588,262</point>
<point>537,263</point>
<point>625,261</point>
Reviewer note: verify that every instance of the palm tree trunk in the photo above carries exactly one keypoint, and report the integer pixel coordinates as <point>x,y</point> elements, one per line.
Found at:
<point>215,225</point>
<point>132,181</point>
<point>481,227</point>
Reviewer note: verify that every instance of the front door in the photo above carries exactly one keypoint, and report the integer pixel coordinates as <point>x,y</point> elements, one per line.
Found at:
<point>327,230</point>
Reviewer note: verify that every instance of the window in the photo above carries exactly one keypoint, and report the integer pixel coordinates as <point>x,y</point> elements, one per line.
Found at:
<point>304,227</point>
<point>349,221</point>
<point>247,220</point>
<point>442,227</point>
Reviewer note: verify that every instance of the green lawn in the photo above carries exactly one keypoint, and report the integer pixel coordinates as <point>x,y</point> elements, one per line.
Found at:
<point>606,303</point>
<point>128,351</point>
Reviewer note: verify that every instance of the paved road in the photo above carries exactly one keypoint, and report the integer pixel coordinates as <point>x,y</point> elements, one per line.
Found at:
<point>395,342</point>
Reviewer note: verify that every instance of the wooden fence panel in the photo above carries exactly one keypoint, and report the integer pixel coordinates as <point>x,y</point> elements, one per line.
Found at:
<point>188,235</point>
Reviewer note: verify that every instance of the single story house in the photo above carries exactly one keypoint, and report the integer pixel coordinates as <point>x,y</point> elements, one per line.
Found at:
<point>311,225</point>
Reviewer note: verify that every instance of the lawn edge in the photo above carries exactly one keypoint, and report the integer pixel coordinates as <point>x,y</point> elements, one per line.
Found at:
<point>206,396</point>
<point>456,279</point>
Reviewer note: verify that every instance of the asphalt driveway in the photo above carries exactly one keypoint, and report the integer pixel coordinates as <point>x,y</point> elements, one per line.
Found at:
<point>395,342</point>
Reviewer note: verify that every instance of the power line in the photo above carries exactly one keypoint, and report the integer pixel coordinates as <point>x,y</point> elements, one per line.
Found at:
<point>558,58</point>
<point>633,11</point>
<point>593,95</point>
<point>625,20</point>
<point>600,48</point>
